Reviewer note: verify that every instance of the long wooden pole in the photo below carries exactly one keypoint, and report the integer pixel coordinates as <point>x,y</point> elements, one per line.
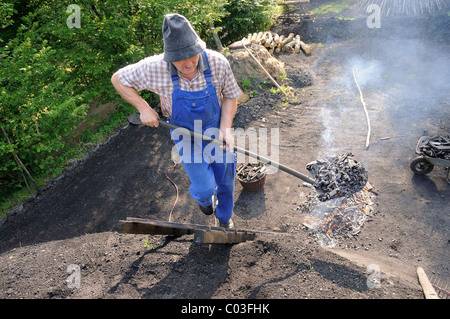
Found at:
<point>262,68</point>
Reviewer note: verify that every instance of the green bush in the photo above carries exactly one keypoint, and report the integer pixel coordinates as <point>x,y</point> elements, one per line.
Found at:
<point>50,74</point>
<point>247,16</point>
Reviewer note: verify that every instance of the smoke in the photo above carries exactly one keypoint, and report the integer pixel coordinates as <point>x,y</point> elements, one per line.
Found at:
<point>405,81</point>
<point>369,72</point>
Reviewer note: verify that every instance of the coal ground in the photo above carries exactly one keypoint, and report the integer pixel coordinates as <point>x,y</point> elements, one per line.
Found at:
<point>76,220</point>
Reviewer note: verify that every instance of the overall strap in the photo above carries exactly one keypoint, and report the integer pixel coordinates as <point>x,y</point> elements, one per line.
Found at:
<point>208,74</point>
<point>175,79</point>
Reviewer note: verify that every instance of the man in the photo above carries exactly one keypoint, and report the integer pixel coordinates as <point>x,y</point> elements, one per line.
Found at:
<point>197,89</point>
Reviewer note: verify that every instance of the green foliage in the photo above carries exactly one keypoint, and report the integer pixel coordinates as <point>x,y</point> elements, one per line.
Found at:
<point>247,16</point>
<point>6,13</point>
<point>51,74</point>
<point>246,84</point>
<point>147,245</point>
<point>335,7</point>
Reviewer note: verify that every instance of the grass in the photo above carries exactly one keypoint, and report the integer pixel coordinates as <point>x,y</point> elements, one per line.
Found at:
<point>335,7</point>
<point>246,84</point>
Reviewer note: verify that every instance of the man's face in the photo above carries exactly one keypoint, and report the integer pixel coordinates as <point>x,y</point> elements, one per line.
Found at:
<point>188,67</point>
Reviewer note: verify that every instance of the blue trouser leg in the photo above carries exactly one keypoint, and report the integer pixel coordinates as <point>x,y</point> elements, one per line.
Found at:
<point>204,177</point>
<point>224,176</point>
<point>203,185</point>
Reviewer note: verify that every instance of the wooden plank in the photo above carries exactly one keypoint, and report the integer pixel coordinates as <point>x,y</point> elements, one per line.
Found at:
<point>202,236</point>
<point>154,227</point>
<point>428,289</point>
<point>133,225</point>
<point>203,233</point>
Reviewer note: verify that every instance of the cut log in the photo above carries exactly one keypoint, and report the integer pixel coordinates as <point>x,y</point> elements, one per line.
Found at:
<point>288,39</point>
<point>290,46</point>
<point>276,38</point>
<point>297,43</point>
<point>305,47</point>
<point>258,37</point>
<point>269,39</point>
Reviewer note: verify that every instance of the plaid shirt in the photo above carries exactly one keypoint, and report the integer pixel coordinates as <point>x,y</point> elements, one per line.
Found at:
<point>153,74</point>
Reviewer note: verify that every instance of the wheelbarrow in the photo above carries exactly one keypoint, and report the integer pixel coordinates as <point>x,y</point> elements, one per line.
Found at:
<point>424,163</point>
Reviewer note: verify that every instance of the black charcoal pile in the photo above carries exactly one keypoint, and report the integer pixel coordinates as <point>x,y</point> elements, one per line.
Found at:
<point>438,147</point>
<point>338,176</point>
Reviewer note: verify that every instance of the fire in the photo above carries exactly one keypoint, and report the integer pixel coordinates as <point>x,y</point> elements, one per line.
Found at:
<point>341,217</point>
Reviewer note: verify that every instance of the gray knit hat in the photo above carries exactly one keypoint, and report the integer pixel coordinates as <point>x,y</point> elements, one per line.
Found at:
<point>180,40</point>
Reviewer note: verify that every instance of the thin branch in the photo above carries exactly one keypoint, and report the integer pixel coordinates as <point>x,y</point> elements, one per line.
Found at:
<point>19,162</point>
<point>365,109</point>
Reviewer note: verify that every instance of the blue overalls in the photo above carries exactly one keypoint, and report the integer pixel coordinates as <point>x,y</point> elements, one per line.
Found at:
<point>207,165</point>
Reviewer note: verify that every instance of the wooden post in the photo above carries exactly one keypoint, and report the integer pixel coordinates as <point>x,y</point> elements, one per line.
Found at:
<point>216,37</point>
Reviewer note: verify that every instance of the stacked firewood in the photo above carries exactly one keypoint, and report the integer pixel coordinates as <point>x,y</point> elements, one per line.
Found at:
<point>279,43</point>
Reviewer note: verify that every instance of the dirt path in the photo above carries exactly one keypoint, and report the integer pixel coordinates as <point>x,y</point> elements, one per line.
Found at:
<point>405,83</point>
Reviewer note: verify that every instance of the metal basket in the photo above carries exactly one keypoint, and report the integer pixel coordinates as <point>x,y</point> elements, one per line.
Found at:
<point>254,185</point>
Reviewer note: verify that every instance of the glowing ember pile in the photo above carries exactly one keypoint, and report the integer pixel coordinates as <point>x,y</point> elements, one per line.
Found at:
<point>338,218</point>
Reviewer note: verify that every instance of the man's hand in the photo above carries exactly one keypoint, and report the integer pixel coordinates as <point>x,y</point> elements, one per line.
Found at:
<point>229,107</point>
<point>227,137</point>
<point>149,117</point>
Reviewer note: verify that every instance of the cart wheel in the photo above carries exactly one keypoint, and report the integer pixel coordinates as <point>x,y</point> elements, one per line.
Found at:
<point>421,166</point>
